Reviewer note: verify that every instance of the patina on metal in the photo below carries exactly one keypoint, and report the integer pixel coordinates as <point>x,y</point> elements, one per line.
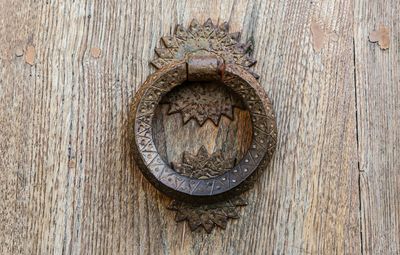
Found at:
<point>203,74</point>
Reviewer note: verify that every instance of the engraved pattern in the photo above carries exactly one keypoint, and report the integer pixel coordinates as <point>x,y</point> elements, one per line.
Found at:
<point>201,102</point>
<point>263,143</point>
<point>207,215</point>
<point>207,37</point>
<point>203,165</point>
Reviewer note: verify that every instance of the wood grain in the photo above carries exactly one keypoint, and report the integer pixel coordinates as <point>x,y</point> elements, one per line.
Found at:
<point>378,110</point>
<point>68,186</point>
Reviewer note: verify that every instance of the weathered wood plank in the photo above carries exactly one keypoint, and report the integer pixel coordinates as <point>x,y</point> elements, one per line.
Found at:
<point>67,184</point>
<point>378,90</point>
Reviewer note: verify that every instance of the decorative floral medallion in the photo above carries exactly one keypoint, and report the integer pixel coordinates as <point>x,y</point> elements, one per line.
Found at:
<point>204,165</point>
<point>207,215</point>
<point>208,37</point>
<point>202,102</point>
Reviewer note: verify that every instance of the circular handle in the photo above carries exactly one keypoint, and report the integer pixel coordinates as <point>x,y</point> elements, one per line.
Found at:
<point>232,182</point>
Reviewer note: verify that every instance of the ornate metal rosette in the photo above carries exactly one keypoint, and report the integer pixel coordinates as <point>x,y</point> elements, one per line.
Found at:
<point>207,37</point>
<point>203,53</point>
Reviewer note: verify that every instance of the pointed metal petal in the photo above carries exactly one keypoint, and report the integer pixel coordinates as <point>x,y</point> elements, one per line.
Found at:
<point>194,224</point>
<point>240,49</point>
<point>181,32</point>
<point>238,201</point>
<point>249,61</point>
<point>158,63</point>
<point>186,117</point>
<point>209,23</point>
<point>201,119</point>
<point>180,216</point>
<point>248,47</point>
<point>202,152</point>
<point>224,26</point>
<point>220,220</point>
<point>174,205</point>
<point>235,36</point>
<point>194,25</point>
<point>229,113</point>
<point>164,53</point>
<point>231,213</point>
<point>174,108</point>
<point>215,119</point>
<point>208,226</point>
<point>169,42</point>
<point>228,41</point>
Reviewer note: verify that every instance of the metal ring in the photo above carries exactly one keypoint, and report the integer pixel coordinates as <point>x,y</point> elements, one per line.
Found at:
<point>234,181</point>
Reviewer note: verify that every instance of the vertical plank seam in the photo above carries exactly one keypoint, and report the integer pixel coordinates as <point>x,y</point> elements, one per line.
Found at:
<point>358,145</point>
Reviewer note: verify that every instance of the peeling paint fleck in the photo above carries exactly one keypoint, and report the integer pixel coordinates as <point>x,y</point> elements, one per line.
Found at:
<point>30,55</point>
<point>95,52</point>
<point>381,36</point>
<point>318,36</point>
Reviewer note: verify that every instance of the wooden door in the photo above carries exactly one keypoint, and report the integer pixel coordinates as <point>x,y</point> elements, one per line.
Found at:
<point>68,74</point>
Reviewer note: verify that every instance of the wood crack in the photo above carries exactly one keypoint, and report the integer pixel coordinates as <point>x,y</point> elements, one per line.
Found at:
<point>358,146</point>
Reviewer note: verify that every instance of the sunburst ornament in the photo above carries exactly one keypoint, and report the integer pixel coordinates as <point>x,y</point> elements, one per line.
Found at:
<point>202,102</point>
<point>207,37</point>
<point>207,215</point>
<point>204,165</point>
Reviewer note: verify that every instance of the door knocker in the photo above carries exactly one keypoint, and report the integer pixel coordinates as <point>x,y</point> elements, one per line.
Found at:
<point>203,127</point>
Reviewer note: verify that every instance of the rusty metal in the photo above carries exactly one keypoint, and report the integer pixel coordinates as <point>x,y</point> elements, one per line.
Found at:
<point>203,182</point>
